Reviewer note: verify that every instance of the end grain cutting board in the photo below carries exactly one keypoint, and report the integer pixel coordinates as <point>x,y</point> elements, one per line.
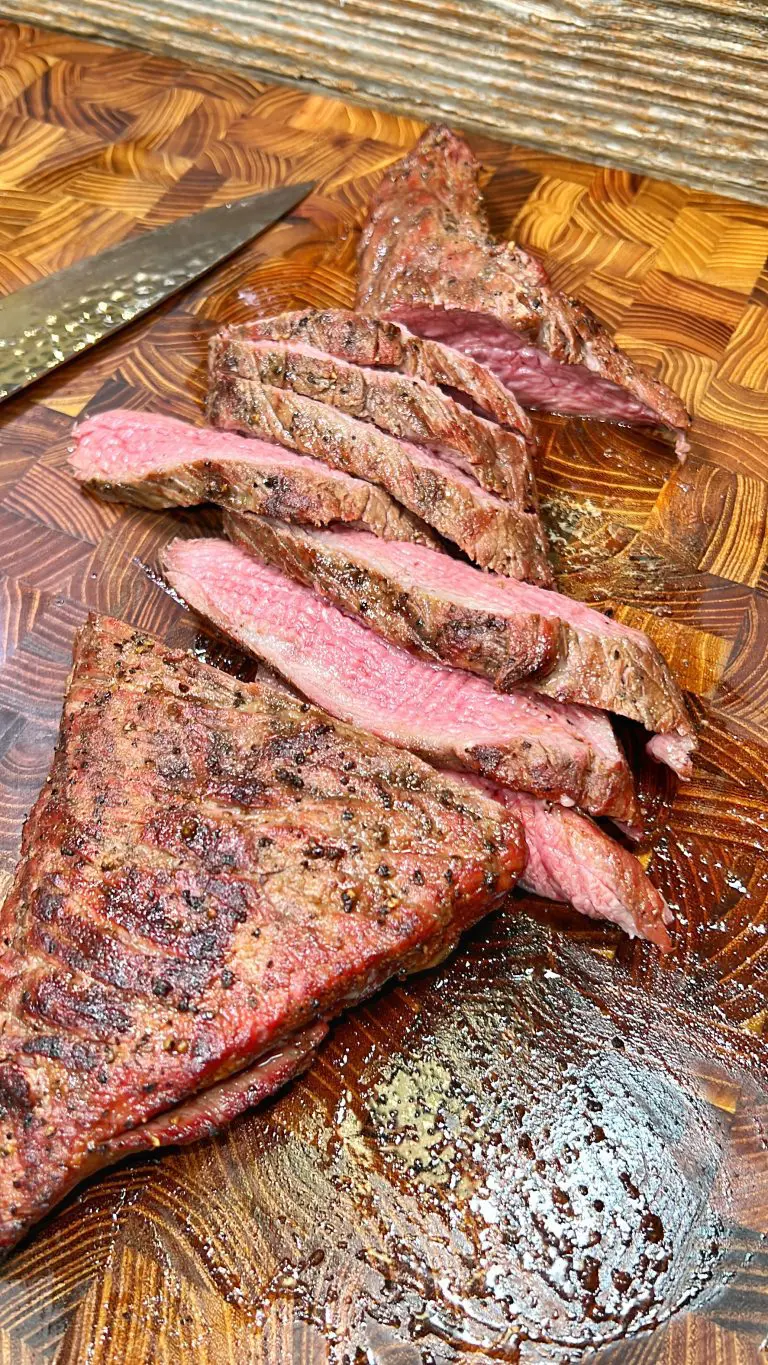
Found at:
<point>556,1140</point>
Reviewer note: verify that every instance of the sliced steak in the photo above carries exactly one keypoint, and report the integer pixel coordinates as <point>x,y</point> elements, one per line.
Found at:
<point>452,718</point>
<point>202,882</point>
<point>505,631</point>
<point>155,461</point>
<point>489,529</point>
<point>446,716</point>
<point>365,340</point>
<point>428,261</point>
<point>571,859</point>
<point>405,407</point>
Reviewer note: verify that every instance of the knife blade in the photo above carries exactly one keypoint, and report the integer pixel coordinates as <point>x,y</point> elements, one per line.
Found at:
<point>48,322</point>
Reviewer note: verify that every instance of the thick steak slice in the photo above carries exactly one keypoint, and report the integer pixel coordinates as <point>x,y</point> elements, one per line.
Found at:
<point>571,859</point>
<point>448,717</point>
<point>505,631</point>
<point>202,880</point>
<point>412,704</point>
<point>427,260</point>
<point>397,403</point>
<point>156,461</point>
<point>365,340</point>
<point>491,531</point>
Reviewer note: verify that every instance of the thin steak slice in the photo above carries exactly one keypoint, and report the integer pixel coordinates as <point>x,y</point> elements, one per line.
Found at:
<point>505,631</point>
<point>448,717</point>
<point>427,260</point>
<point>405,407</point>
<point>155,461</point>
<point>370,341</point>
<point>571,859</point>
<point>444,714</point>
<point>202,884</point>
<point>493,532</point>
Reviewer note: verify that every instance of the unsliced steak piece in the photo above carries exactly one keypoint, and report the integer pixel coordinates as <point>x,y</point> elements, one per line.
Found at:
<point>397,403</point>
<point>505,631</point>
<point>156,461</point>
<point>571,859</point>
<point>204,880</point>
<point>427,260</point>
<point>446,716</point>
<point>493,532</point>
<point>365,340</point>
<point>452,718</point>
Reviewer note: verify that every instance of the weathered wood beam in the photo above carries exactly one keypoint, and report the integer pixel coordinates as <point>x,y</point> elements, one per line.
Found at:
<point>678,89</point>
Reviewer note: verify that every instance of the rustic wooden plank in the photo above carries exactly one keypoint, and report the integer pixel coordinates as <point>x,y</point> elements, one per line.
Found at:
<point>679,89</point>
<point>555,1140</point>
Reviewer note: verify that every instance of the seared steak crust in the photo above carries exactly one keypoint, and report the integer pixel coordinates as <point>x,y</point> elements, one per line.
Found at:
<point>426,245</point>
<point>155,461</point>
<point>490,530</point>
<point>202,878</point>
<point>419,618</point>
<point>371,341</point>
<point>457,721</point>
<point>462,621</point>
<point>405,407</point>
<point>447,717</point>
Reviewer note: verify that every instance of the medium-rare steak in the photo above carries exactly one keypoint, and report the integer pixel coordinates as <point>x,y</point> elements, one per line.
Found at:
<point>451,717</point>
<point>427,260</point>
<point>489,529</point>
<point>397,403</point>
<point>448,717</point>
<point>155,461</point>
<point>505,631</point>
<point>212,869</point>
<point>571,859</point>
<point>370,341</point>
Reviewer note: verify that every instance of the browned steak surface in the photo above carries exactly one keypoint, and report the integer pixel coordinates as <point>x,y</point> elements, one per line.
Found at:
<point>453,719</point>
<point>427,259</point>
<point>371,341</point>
<point>156,461</point>
<point>398,403</point>
<point>507,632</point>
<point>211,869</point>
<point>493,532</point>
<point>445,715</point>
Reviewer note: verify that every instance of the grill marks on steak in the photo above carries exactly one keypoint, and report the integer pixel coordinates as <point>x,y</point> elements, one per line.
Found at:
<point>493,532</point>
<point>504,631</point>
<point>370,341</point>
<point>400,404</point>
<point>448,717</point>
<point>155,461</point>
<point>211,869</point>
<point>427,260</point>
<point>418,705</point>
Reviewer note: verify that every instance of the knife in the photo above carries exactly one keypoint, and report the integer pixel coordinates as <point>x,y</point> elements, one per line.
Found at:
<point>46,323</point>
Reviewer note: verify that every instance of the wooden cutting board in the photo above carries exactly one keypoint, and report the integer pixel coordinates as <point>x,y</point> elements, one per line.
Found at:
<point>556,1141</point>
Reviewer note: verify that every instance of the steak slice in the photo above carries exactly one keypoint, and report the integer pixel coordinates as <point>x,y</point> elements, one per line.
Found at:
<point>571,859</point>
<point>448,717</point>
<point>370,341</point>
<point>493,532</point>
<point>504,631</point>
<point>427,260</point>
<point>202,881</point>
<point>155,461</point>
<point>398,403</point>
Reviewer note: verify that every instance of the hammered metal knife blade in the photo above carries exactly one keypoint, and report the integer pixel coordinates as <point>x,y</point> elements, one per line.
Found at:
<point>46,323</point>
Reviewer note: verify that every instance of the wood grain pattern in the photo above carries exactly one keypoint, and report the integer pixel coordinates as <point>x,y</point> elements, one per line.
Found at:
<point>678,88</point>
<point>554,1142</point>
